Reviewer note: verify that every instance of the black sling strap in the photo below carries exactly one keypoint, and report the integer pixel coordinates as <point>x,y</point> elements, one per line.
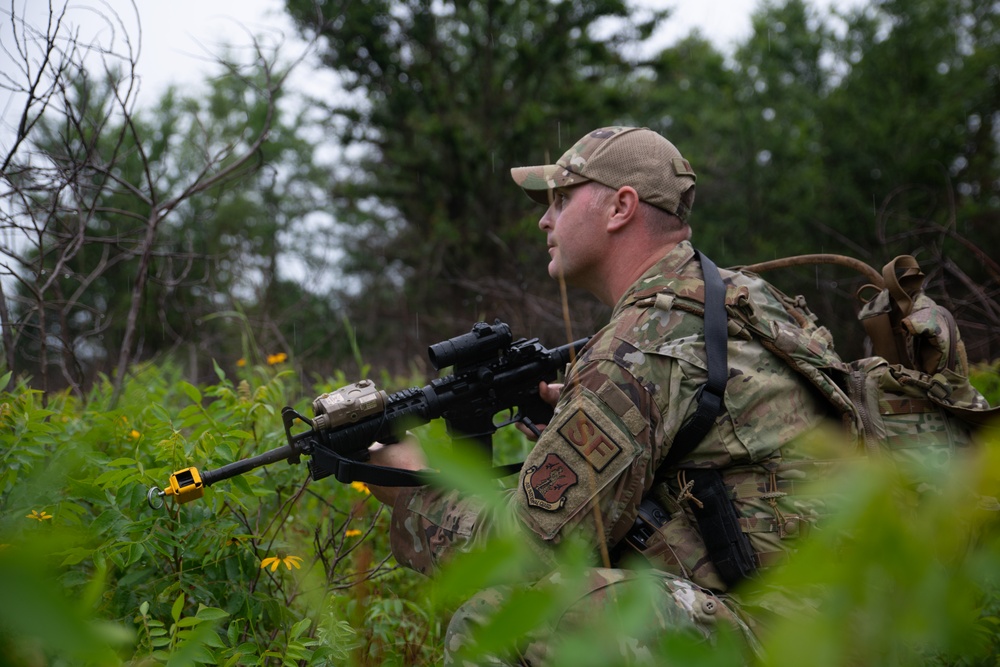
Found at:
<point>710,394</point>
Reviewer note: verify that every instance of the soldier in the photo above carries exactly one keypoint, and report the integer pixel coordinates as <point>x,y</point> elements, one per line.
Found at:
<point>609,468</point>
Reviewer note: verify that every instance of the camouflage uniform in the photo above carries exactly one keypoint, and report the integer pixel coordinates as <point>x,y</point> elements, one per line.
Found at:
<point>624,400</point>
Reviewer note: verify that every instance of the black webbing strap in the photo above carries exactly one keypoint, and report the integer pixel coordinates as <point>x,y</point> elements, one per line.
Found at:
<point>347,470</point>
<point>710,394</point>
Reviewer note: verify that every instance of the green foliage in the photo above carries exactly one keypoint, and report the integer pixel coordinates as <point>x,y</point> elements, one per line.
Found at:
<point>92,575</point>
<point>986,378</point>
<point>902,577</point>
<point>185,584</point>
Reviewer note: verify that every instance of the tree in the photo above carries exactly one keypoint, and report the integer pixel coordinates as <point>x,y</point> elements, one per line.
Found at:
<point>445,98</point>
<point>873,141</point>
<point>912,149</point>
<point>126,230</point>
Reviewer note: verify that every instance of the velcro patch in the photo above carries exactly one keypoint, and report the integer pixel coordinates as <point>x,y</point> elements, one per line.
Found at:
<point>682,167</point>
<point>545,485</point>
<point>589,440</point>
<point>619,401</point>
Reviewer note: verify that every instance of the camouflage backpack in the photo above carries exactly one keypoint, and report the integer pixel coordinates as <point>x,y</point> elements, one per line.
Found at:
<point>912,401</point>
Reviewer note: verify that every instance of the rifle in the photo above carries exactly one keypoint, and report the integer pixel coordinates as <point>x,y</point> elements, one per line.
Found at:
<point>491,375</point>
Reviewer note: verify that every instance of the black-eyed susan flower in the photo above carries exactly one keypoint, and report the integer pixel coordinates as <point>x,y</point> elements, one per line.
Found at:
<point>38,516</point>
<point>241,362</point>
<point>275,561</point>
<point>353,532</point>
<point>278,358</point>
<point>361,487</point>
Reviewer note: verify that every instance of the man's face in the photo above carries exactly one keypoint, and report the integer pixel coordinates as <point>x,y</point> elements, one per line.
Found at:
<point>575,227</point>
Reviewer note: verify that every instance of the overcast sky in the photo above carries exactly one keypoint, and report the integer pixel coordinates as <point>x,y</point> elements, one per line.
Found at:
<point>176,32</point>
<point>178,38</point>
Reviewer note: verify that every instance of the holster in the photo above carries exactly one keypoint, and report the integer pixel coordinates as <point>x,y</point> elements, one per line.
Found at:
<point>728,546</point>
<point>714,552</point>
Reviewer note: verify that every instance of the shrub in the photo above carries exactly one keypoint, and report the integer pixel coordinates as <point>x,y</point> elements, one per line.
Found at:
<point>269,569</point>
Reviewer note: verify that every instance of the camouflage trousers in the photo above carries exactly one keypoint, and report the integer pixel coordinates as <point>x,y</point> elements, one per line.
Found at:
<point>604,616</point>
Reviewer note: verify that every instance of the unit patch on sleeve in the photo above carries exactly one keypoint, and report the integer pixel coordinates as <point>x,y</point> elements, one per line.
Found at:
<point>589,440</point>
<point>546,485</point>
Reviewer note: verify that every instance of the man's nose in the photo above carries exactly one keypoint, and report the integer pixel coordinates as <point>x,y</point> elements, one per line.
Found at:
<point>545,222</point>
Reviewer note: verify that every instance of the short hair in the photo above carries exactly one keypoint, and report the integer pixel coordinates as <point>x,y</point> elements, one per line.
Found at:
<point>660,223</point>
<point>665,224</point>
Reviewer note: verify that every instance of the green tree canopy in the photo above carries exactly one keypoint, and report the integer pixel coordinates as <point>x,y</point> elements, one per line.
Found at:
<point>447,97</point>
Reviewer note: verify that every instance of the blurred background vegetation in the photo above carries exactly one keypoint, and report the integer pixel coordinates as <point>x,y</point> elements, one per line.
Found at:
<point>172,273</point>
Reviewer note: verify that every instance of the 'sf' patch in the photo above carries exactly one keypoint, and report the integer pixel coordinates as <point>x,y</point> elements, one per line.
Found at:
<point>590,440</point>
<point>546,485</point>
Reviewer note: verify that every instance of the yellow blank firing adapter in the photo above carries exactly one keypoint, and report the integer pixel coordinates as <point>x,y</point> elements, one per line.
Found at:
<point>185,485</point>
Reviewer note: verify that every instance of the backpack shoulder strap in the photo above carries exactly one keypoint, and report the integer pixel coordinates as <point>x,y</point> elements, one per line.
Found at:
<point>710,395</point>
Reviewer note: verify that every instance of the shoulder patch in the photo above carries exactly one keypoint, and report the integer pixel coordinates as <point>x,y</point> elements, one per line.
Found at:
<point>589,440</point>
<point>545,485</point>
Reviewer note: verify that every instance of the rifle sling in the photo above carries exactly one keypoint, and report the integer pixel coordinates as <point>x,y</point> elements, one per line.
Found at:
<point>325,463</point>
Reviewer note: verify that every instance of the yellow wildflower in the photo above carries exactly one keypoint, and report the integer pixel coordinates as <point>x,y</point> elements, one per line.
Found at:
<point>38,517</point>
<point>361,487</point>
<point>135,435</point>
<point>241,362</point>
<point>353,532</point>
<point>278,358</point>
<point>275,561</point>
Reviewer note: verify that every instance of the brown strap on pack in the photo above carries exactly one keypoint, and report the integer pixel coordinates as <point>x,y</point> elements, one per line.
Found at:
<point>902,279</point>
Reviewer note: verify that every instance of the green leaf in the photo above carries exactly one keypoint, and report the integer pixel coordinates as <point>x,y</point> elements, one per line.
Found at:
<point>160,413</point>
<point>125,461</point>
<point>211,613</point>
<point>300,628</point>
<point>175,611</point>
<point>190,391</point>
<point>76,555</point>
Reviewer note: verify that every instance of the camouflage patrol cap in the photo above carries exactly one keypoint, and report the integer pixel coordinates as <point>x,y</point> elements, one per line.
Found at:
<point>618,156</point>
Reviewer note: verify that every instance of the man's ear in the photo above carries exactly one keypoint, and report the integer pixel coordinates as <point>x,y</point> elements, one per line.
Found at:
<point>626,208</point>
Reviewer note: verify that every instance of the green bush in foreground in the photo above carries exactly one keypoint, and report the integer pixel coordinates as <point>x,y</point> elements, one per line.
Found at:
<point>269,570</point>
